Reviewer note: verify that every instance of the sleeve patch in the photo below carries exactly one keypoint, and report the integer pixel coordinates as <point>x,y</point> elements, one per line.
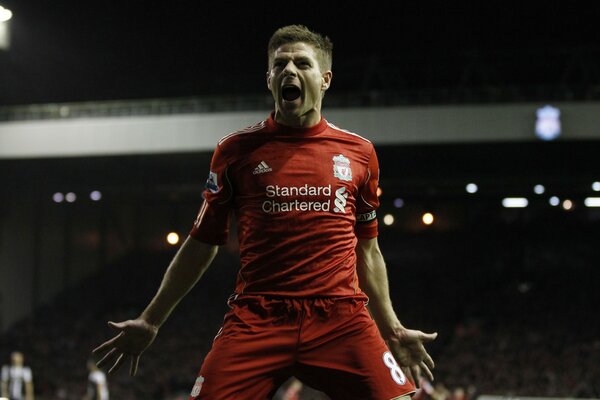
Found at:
<point>366,217</point>
<point>211,182</point>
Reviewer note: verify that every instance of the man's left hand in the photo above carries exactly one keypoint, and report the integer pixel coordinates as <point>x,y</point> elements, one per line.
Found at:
<point>408,348</point>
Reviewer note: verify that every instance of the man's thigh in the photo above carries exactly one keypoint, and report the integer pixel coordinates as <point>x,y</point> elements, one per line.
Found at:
<point>250,357</point>
<point>350,360</point>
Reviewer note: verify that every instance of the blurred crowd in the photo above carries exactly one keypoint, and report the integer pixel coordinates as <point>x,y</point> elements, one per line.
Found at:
<point>514,310</point>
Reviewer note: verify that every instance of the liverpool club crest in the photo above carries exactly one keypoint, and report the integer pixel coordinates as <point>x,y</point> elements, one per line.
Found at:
<point>341,168</point>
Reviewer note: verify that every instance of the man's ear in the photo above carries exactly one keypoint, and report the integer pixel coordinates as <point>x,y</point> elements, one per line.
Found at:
<point>326,80</point>
<point>269,80</point>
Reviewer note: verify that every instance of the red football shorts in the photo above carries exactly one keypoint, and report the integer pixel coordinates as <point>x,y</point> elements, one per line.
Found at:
<point>330,344</point>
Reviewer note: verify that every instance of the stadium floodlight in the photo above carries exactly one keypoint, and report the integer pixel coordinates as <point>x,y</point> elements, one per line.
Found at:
<point>96,195</point>
<point>471,188</point>
<point>592,202</point>
<point>427,218</point>
<point>172,238</point>
<point>70,197</point>
<point>567,205</point>
<point>554,201</point>
<point>539,189</point>
<point>515,202</point>
<point>398,203</point>
<point>5,14</point>
<point>388,219</point>
<point>596,186</point>
<point>58,197</point>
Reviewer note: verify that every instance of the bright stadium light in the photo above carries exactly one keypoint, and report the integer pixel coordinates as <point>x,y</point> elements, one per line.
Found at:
<point>71,197</point>
<point>379,192</point>
<point>58,197</point>
<point>172,238</point>
<point>567,205</point>
<point>515,202</point>
<point>539,189</point>
<point>96,195</point>
<point>5,14</point>
<point>398,203</point>
<point>592,202</point>
<point>554,201</point>
<point>471,188</point>
<point>596,186</point>
<point>427,218</point>
<point>388,219</point>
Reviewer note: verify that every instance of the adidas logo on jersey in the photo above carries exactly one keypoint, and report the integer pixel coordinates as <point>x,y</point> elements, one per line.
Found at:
<point>262,168</point>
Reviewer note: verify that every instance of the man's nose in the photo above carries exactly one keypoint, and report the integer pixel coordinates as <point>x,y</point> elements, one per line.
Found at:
<point>290,69</point>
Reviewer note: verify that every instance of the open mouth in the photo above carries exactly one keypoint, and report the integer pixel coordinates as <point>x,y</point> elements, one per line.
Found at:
<point>290,92</point>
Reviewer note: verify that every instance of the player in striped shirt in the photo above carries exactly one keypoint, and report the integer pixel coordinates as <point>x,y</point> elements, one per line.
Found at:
<point>17,379</point>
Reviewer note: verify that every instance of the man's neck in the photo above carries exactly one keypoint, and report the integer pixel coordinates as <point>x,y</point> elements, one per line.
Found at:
<point>303,121</point>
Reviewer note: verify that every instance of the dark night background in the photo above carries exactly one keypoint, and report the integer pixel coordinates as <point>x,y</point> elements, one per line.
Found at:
<point>67,51</point>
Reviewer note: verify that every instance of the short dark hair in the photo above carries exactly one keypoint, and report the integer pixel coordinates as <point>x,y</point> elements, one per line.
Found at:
<point>300,33</point>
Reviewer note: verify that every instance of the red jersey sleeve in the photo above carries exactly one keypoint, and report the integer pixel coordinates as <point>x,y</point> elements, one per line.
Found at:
<point>212,224</point>
<point>367,201</point>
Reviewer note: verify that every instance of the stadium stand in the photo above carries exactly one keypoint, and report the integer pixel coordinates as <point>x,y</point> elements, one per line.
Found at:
<point>512,301</point>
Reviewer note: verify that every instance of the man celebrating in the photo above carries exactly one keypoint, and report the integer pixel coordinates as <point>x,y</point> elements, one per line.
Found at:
<point>304,196</point>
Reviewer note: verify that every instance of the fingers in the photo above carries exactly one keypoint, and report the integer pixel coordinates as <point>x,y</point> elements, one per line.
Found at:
<point>117,363</point>
<point>409,375</point>
<point>135,360</point>
<point>415,371</point>
<point>122,344</point>
<point>429,361</point>
<point>107,344</point>
<point>427,337</point>
<point>117,325</point>
<point>427,371</point>
<point>106,357</point>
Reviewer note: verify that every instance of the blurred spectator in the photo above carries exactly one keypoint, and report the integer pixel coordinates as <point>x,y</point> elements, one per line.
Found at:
<point>17,379</point>
<point>97,386</point>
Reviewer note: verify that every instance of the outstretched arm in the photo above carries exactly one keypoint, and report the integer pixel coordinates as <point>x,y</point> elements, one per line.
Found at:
<point>186,268</point>
<point>405,344</point>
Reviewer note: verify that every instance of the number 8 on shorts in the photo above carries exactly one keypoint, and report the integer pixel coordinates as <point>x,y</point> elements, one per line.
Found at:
<point>397,374</point>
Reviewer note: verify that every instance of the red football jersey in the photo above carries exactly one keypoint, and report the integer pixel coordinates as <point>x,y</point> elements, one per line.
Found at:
<point>301,197</point>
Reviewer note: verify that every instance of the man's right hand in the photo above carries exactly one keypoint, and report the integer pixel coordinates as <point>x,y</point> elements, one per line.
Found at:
<point>134,337</point>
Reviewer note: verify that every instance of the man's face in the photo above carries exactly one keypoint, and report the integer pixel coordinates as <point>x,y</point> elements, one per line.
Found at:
<point>17,359</point>
<point>296,81</point>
